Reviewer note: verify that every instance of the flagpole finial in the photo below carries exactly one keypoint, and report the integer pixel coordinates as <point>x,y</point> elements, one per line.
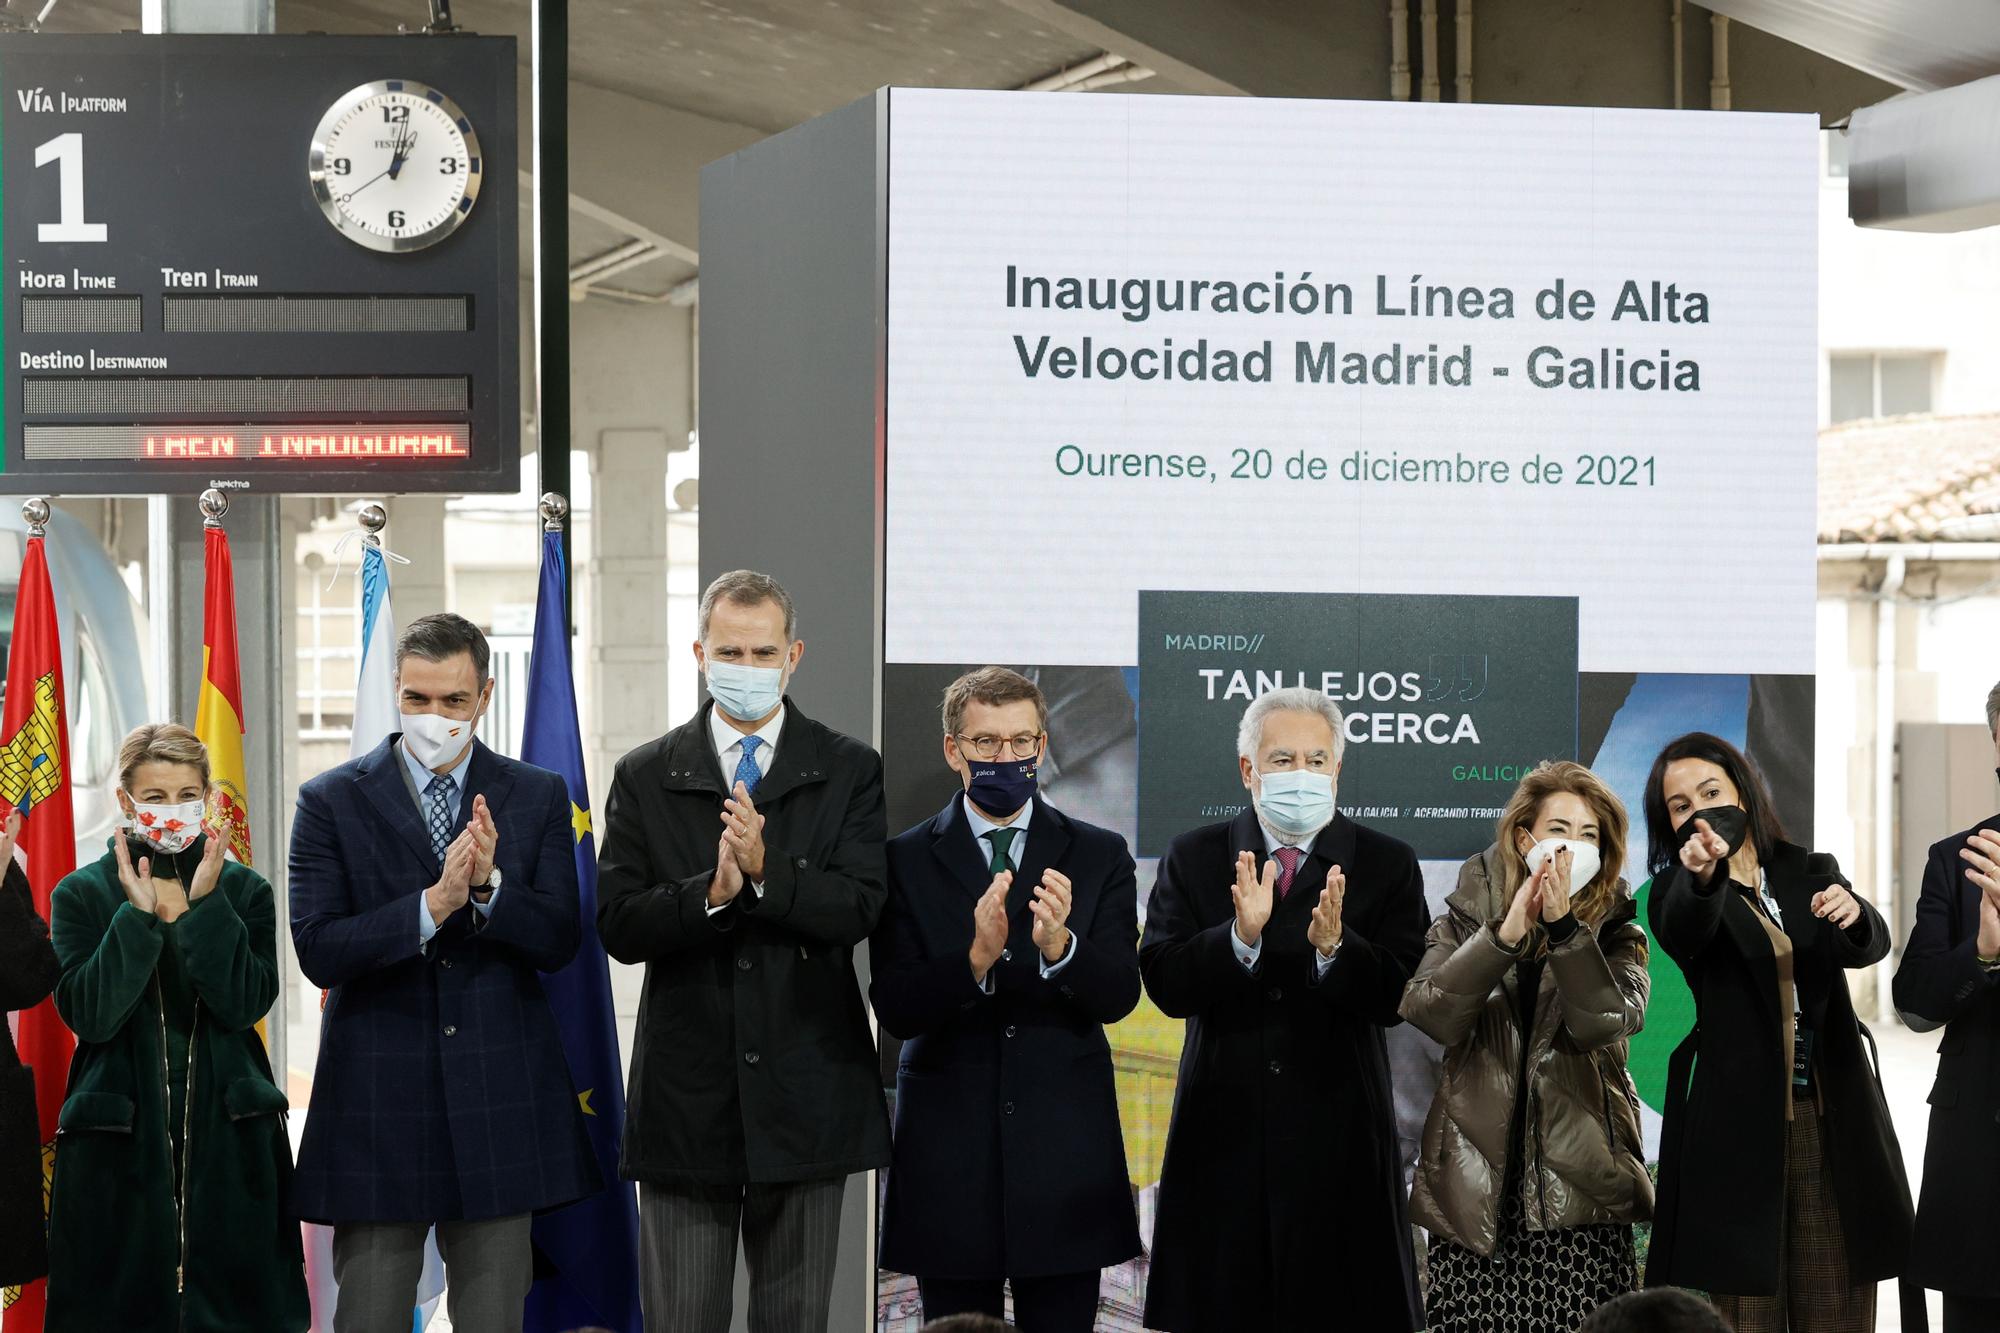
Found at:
<point>373,518</point>
<point>36,512</point>
<point>555,509</point>
<point>214,504</point>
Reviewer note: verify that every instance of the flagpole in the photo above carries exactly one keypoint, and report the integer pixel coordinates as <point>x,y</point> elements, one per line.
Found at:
<point>214,506</point>
<point>373,518</point>
<point>35,510</point>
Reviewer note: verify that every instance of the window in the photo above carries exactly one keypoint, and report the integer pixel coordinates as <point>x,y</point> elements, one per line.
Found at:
<point>1836,153</point>
<point>329,658</point>
<point>1880,384</point>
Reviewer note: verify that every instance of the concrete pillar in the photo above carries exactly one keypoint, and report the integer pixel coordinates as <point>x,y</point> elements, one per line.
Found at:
<point>632,407</point>
<point>416,531</point>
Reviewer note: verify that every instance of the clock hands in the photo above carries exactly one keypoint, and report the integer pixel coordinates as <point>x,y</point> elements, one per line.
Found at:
<point>406,141</point>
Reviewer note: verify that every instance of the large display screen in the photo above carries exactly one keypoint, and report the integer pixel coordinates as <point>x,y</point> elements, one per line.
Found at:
<point>1497,424</point>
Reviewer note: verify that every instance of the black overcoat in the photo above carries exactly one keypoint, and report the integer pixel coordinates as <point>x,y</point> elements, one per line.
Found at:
<point>1941,984</point>
<point>753,1061</point>
<point>28,972</point>
<point>1009,1161</point>
<point>1719,1221</point>
<point>1281,1203</point>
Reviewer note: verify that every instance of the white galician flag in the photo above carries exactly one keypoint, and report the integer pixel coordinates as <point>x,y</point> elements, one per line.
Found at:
<point>376,714</point>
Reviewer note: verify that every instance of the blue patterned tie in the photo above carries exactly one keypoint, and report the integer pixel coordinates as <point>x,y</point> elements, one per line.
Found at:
<point>747,771</point>
<point>437,812</point>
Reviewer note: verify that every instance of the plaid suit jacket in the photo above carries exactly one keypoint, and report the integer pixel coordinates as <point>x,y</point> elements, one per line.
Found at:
<point>441,1092</point>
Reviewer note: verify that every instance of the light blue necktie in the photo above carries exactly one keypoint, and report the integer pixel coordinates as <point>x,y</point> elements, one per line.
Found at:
<point>747,771</point>
<point>437,812</point>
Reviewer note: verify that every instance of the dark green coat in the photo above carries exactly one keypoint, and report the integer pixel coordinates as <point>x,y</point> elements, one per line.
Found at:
<point>136,1102</point>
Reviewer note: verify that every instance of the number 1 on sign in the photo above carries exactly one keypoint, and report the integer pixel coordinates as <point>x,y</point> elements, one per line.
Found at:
<point>67,149</point>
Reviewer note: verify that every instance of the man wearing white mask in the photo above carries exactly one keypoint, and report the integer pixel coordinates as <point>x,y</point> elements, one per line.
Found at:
<point>431,879</point>
<point>742,861</point>
<point>1285,938</point>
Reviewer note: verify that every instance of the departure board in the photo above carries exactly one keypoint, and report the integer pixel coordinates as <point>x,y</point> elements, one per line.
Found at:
<point>271,263</point>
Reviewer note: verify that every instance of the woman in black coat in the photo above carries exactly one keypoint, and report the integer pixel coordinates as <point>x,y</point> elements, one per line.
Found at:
<point>1782,1192</point>
<point>28,972</point>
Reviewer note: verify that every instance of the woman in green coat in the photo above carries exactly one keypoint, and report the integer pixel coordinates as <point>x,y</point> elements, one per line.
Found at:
<point>169,1208</point>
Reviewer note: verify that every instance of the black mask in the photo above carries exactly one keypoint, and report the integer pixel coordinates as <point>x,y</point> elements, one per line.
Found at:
<point>1731,823</point>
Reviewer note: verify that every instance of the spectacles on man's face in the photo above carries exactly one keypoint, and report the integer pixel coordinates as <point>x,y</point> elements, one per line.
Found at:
<point>1022,746</point>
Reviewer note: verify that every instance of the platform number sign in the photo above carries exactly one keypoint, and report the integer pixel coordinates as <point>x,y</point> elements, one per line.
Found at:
<point>258,262</point>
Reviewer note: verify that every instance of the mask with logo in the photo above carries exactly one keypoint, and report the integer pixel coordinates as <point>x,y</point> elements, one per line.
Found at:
<point>165,828</point>
<point>1731,823</point>
<point>1584,860</point>
<point>1001,786</point>
<point>436,740</point>
<point>748,694</point>
<point>1295,804</point>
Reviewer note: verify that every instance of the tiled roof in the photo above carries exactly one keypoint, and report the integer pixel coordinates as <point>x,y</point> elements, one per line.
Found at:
<point>1903,479</point>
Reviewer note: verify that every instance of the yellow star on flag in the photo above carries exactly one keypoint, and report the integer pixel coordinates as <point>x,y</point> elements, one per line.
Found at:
<point>583,1100</point>
<point>579,820</point>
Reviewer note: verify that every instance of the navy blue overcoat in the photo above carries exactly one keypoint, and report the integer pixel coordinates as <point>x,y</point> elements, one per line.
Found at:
<point>441,1092</point>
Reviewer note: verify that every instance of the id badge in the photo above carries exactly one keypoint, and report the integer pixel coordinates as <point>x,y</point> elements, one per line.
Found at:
<point>1802,1043</point>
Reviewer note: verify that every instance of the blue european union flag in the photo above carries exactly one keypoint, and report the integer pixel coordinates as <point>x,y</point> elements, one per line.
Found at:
<point>587,1270</point>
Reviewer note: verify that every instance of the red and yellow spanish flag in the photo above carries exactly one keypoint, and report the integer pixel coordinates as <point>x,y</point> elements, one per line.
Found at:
<point>218,716</point>
<point>34,778</point>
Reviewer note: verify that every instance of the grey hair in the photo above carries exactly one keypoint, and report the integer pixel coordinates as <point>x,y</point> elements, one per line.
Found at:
<point>746,587</point>
<point>1297,699</point>
<point>1993,711</point>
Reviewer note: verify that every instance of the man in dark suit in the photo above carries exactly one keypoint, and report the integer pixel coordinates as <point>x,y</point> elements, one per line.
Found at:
<point>1950,978</point>
<point>1010,939</point>
<point>431,879</point>
<point>1284,937</point>
<point>742,864</point>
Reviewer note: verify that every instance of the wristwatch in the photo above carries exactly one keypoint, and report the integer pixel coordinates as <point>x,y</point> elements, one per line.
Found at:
<point>492,884</point>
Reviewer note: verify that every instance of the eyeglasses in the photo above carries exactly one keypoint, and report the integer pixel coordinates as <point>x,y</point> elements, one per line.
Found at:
<point>989,747</point>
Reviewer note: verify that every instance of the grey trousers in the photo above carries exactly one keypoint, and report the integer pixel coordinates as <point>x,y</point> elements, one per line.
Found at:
<point>687,1254</point>
<point>489,1266</point>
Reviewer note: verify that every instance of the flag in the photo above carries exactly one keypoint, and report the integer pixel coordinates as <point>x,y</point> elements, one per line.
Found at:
<point>34,778</point>
<point>591,1248</point>
<point>218,714</point>
<point>376,718</point>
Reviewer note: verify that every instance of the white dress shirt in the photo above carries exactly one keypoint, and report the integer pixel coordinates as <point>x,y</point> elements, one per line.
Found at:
<point>728,743</point>
<point>1250,954</point>
<point>981,827</point>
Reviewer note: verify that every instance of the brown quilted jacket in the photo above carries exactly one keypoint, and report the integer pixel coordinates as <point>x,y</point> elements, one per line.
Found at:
<point>1582,1146</point>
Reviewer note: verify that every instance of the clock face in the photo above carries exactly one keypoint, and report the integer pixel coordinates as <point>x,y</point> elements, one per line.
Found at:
<point>395,165</point>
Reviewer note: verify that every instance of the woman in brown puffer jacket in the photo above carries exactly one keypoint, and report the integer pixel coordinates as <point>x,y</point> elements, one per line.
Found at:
<point>1534,979</point>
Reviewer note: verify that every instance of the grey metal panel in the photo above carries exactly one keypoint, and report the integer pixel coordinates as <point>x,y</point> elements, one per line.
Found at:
<point>792,330</point>
<point>1944,784</point>
<point>793,343</point>
<point>1927,163</point>
<point>1915,44</point>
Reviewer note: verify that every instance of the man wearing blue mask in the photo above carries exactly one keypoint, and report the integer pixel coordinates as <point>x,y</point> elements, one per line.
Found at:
<point>1010,940</point>
<point>1284,937</point>
<point>741,864</point>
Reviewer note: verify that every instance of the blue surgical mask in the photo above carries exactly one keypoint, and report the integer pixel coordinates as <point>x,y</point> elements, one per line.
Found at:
<point>1001,786</point>
<point>745,693</point>
<point>1296,803</point>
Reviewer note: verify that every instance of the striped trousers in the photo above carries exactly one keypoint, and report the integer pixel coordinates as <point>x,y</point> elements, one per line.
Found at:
<point>687,1254</point>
